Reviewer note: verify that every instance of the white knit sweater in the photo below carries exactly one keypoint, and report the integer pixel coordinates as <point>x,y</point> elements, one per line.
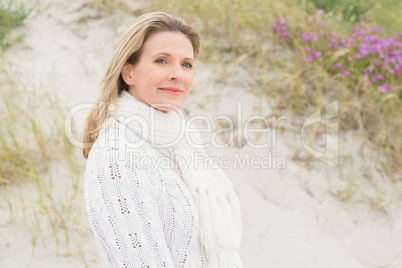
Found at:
<point>141,214</point>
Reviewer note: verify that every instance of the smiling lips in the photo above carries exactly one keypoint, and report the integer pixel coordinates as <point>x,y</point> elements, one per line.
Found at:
<point>171,90</point>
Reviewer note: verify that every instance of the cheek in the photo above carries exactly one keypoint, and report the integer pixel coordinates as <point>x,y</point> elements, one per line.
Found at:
<point>156,75</point>
<point>190,80</point>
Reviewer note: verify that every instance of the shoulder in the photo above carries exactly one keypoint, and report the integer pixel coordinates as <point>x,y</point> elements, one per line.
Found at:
<point>114,134</point>
<point>122,144</point>
<point>115,138</point>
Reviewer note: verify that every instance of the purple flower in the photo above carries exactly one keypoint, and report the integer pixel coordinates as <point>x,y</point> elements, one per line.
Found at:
<point>377,77</point>
<point>320,11</point>
<point>334,36</point>
<point>383,56</point>
<point>281,21</point>
<point>384,88</point>
<point>346,73</point>
<point>364,49</point>
<point>377,47</point>
<point>389,42</point>
<point>314,36</point>
<point>366,75</point>
<point>317,54</point>
<point>365,17</point>
<point>332,44</point>
<point>363,52</point>
<point>355,36</point>
<point>337,65</point>
<point>281,30</point>
<point>305,37</point>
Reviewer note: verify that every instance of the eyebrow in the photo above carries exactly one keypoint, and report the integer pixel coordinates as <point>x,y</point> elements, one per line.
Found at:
<point>168,54</point>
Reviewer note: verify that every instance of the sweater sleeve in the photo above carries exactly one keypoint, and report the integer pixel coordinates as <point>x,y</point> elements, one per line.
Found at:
<point>123,213</point>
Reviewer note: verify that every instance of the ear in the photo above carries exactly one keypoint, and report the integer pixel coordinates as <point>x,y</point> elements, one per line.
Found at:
<point>126,74</point>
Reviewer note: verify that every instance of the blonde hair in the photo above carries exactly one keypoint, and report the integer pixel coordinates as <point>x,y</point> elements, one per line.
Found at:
<point>129,50</point>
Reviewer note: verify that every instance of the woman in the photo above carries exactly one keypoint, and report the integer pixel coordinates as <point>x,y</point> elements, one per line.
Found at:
<point>145,206</point>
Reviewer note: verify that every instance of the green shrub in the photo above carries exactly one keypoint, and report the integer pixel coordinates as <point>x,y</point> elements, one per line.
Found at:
<point>11,16</point>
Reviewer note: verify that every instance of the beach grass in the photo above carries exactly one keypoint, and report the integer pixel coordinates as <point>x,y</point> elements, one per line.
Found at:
<point>32,144</point>
<point>33,147</point>
<point>12,15</point>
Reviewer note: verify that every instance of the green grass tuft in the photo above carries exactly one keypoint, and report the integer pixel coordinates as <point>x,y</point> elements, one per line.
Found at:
<point>11,15</point>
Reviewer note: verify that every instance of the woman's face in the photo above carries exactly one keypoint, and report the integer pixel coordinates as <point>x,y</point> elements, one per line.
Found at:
<point>164,74</point>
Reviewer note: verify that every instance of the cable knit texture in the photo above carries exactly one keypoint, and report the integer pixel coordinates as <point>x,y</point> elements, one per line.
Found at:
<point>146,214</point>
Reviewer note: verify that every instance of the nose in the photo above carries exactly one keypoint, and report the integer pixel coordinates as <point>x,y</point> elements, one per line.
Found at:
<point>176,73</point>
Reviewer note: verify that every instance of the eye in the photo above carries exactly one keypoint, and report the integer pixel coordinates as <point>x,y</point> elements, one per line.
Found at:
<point>160,61</point>
<point>188,65</point>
